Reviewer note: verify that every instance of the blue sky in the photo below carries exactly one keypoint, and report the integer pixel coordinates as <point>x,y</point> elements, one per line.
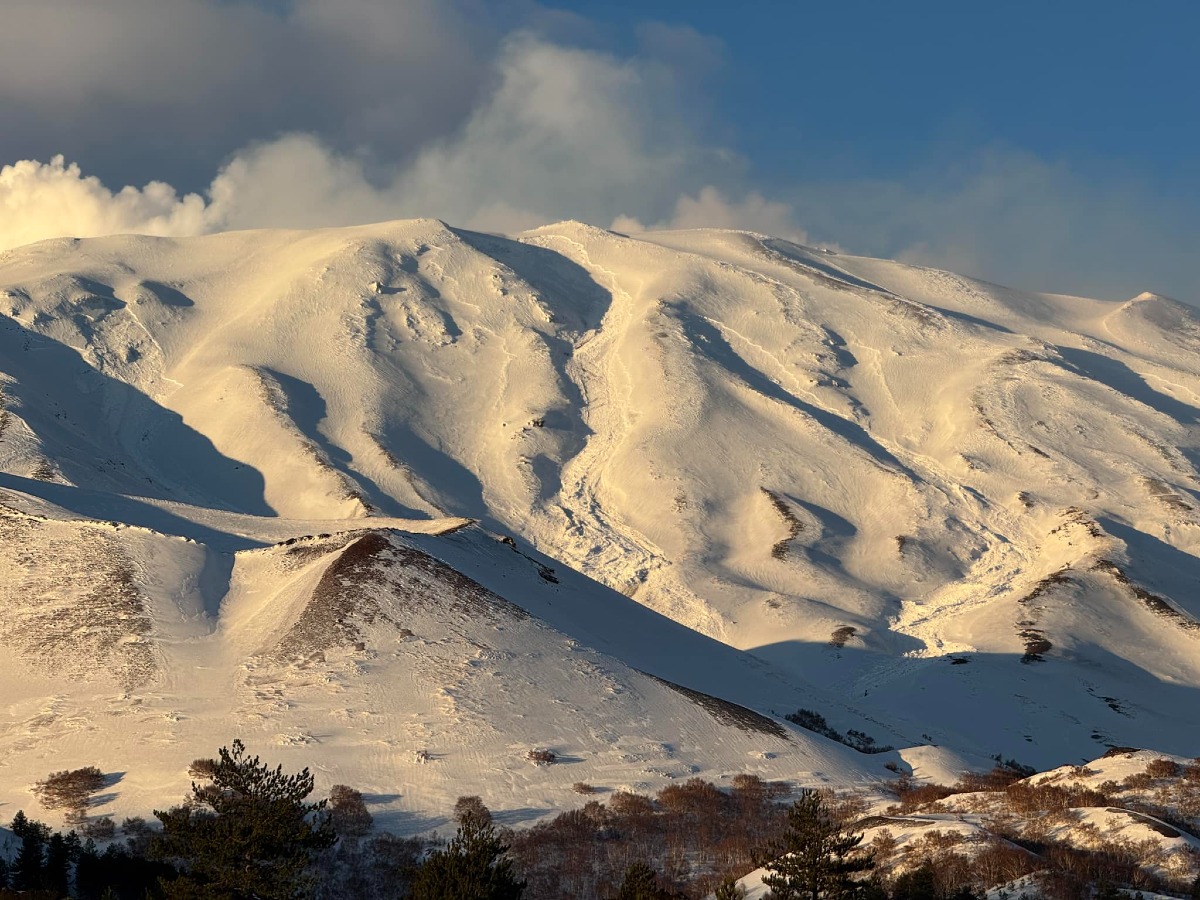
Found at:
<point>1051,146</point>
<point>875,89</point>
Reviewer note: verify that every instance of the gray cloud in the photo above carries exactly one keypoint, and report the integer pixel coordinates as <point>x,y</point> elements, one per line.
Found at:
<point>560,132</point>
<point>326,112</point>
<point>168,88</point>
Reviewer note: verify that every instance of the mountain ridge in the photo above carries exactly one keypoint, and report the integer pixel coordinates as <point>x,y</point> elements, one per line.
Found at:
<point>905,493</point>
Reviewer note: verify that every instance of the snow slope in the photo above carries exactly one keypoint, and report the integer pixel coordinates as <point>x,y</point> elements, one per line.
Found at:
<point>934,509</point>
<point>363,655</point>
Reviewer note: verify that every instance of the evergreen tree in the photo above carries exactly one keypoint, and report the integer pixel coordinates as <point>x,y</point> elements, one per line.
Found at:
<point>60,853</point>
<point>917,884</point>
<point>118,874</point>
<point>729,889</point>
<point>641,883</point>
<point>474,866</point>
<point>247,834</point>
<point>28,869</point>
<point>819,857</point>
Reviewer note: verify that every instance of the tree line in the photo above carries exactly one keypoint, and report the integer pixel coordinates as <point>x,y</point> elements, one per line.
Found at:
<point>249,830</point>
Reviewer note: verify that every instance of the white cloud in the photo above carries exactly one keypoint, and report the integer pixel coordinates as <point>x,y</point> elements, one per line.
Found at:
<point>346,111</point>
<point>564,133</point>
<point>710,209</point>
<point>44,200</point>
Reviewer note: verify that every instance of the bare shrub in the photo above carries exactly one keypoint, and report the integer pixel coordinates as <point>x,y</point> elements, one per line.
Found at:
<point>841,635</point>
<point>694,835</point>
<point>71,790</point>
<point>1000,862</point>
<point>1137,782</point>
<point>1162,768</point>
<point>541,757</point>
<point>913,796</point>
<point>884,844</point>
<point>999,778</point>
<point>581,787</point>
<point>471,809</point>
<point>845,807</point>
<point>348,811</point>
<point>747,785</point>
<point>630,805</point>
<point>777,790</point>
<point>102,829</point>
<point>137,833</point>
<point>1050,797</point>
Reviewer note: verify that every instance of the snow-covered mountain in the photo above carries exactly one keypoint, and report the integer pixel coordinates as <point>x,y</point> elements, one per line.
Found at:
<point>332,490</point>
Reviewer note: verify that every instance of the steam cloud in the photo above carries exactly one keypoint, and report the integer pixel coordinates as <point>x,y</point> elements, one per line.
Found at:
<point>335,112</point>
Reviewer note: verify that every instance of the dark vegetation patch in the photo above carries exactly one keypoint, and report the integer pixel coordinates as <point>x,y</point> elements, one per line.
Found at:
<point>1120,751</point>
<point>45,470</point>
<point>545,572</point>
<point>986,421</point>
<point>5,416</point>
<point>69,603</point>
<point>1020,356</point>
<point>856,740</point>
<point>1160,606</point>
<point>1167,497</point>
<point>303,550</point>
<point>1035,640</point>
<point>1036,645</point>
<point>1073,515</point>
<point>374,580</point>
<point>782,548</point>
<point>840,635</point>
<point>726,712</point>
<point>1112,703</point>
<point>917,312</point>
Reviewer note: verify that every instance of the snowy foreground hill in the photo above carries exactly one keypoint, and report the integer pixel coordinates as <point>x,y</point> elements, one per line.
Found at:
<point>404,502</point>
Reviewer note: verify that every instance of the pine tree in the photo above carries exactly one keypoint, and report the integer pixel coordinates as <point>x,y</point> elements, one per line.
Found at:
<point>474,866</point>
<point>641,883</point>
<point>917,884</point>
<point>60,853</point>
<point>247,834</point>
<point>819,857</point>
<point>729,889</point>
<point>28,869</point>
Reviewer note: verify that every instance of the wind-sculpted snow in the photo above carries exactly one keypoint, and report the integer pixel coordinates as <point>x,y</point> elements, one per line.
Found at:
<point>956,513</point>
